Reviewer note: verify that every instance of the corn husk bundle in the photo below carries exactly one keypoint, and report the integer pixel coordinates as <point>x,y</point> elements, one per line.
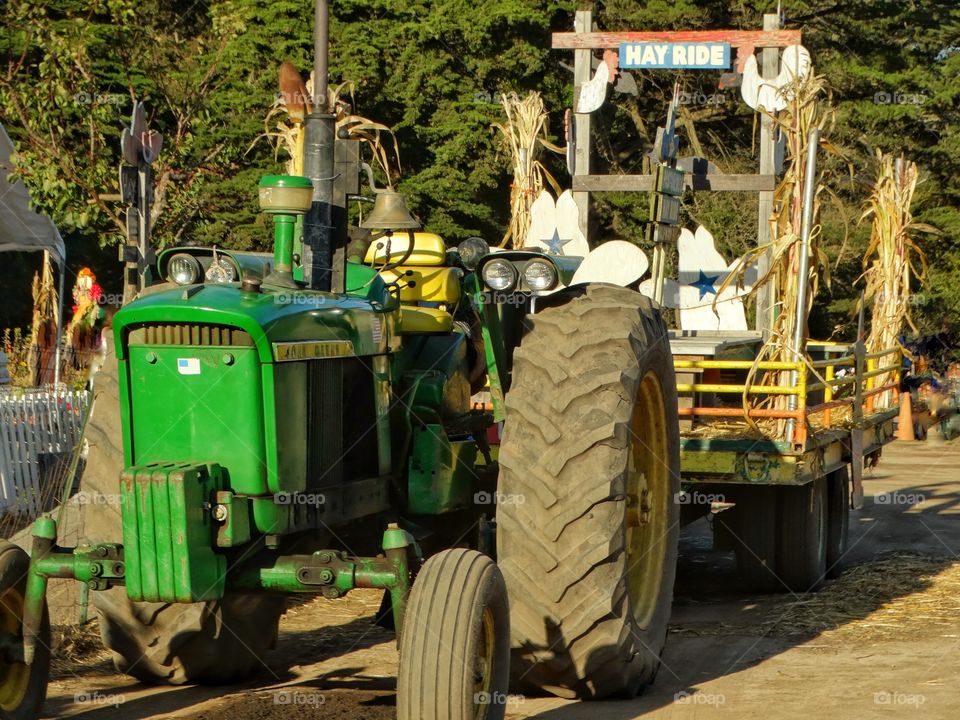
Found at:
<point>808,107</point>
<point>524,135</point>
<point>893,259</point>
<point>286,131</point>
<point>46,312</point>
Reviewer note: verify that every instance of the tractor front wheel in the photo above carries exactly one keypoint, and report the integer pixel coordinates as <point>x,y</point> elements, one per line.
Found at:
<point>588,513</point>
<point>455,642</point>
<point>23,687</point>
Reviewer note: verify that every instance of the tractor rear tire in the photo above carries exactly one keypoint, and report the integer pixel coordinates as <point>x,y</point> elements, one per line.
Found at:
<point>838,519</point>
<point>588,511</point>
<point>802,548</point>
<point>23,688</point>
<point>216,641</point>
<point>455,644</point>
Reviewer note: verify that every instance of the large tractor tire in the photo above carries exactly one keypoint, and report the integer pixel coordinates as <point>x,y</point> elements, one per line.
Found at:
<point>23,687</point>
<point>588,514</point>
<point>216,641</point>
<point>455,644</point>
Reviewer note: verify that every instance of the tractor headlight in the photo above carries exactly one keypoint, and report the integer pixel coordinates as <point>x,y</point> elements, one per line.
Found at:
<point>183,269</point>
<point>500,275</point>
<point>220,271</point>
<point>540,275</point>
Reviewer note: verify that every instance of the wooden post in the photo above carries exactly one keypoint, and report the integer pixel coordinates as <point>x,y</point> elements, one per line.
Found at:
<point>582,72</point>
<point>765,297</point>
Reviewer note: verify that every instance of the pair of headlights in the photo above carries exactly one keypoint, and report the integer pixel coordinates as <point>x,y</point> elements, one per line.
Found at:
<point>503,275</point>
<point>184,269</point>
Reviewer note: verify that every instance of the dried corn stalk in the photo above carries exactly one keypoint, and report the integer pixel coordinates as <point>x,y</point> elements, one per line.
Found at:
<point>524,134</point>
<point>287,132</point>
<point>808,108</point>
<point>893,259</point>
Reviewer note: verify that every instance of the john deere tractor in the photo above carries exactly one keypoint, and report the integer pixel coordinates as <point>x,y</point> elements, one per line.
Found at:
<point>304,423</point>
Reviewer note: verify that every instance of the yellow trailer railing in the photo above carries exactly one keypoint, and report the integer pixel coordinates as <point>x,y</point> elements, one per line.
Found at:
<point>874,379</point>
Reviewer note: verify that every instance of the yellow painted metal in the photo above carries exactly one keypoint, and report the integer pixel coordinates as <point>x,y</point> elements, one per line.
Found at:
<point>424,320</point>
<point>648,500</point>
<point>733,365</point>
<point>428,249</point>
<point>426,284</point>
<point>738,389</point>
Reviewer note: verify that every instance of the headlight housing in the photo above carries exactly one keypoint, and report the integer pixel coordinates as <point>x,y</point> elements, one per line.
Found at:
<point>183,269</point>
<point>540,275</point>
<point>220,271</point>
<point>500,275</point>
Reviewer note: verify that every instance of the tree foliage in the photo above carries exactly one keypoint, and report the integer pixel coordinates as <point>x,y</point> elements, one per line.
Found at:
<point>433,70</point>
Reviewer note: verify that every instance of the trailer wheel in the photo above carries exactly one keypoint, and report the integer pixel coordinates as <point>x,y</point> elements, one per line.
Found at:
<point>802,551</point>
<point>588,512</point>
<point>455,644</point>
<point>23,688</point>
<point>215,641</point>
<point>838,518</point>
<point>753,528</point>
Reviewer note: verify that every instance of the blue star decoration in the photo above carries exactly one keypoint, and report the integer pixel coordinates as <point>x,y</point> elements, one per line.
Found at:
<point>555,244</point>
<point>705,284</point>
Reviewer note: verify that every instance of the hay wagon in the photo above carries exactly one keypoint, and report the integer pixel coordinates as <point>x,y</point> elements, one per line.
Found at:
<point>786,479</point>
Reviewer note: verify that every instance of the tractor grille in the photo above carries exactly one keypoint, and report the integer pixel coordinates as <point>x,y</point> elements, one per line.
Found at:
<point>324,422</point>
<point>192,334</point>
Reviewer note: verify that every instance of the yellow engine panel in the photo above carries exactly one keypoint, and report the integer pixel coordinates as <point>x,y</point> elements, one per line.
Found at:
<point>426,284</point>
<point>428,249</point>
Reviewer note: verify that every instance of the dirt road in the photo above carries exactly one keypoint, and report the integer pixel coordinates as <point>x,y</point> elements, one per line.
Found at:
<point>883,640</point>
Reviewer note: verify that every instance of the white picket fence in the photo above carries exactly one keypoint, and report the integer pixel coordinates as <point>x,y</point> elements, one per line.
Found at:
<point>35,423</point>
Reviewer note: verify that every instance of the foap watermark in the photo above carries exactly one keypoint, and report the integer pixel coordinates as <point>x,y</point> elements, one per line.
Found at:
<point>298,698</point>
<point>498,498</point>
<point>916,300</point>
<point>696,497</point>
<point>98,498</point>
<point>899,498</point>
<point>483,97</point>
<point>298,498</point>
<point>95,697</point>
<point>85,98</point>
<point>699,698</point>
<point>497,698</point>
<point>297,298</point>
<point>704,99</point>
<point>898,98</point>
<point>899,698</point>
<point>503,298</point>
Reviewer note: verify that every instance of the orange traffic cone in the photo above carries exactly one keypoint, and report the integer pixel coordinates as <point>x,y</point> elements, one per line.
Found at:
<point>905,421</point>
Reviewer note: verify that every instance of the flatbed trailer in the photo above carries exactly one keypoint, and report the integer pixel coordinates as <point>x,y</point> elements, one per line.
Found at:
<point>841,410</point>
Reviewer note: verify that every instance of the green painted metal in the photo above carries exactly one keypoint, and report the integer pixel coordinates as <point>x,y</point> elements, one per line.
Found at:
<point>493,345</point>
<point>235,529</point>
<point>284,227</point>
<point>440,477</point>
<point>275,315</point>
<point>169,534</point>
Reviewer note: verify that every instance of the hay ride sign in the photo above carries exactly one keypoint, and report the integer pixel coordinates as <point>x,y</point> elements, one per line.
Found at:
<point>675,56</point>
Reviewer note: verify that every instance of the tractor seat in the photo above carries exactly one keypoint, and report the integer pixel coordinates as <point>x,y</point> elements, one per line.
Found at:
<point>428,249</point>
<point>414,319</point>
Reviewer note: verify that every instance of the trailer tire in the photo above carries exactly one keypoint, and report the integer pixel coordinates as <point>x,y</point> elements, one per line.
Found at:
<point>753,527</point>
<point>838,514</point>
<point>802,549</point>
<point>215,641</point>
<point>455,644</point>
<point>588,517</point>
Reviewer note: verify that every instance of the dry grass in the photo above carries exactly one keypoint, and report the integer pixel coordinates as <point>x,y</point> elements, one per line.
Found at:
<point>901,596</point>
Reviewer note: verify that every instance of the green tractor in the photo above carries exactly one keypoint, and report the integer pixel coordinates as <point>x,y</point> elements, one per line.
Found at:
<point>281,439</point>
<point>304,423</point>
